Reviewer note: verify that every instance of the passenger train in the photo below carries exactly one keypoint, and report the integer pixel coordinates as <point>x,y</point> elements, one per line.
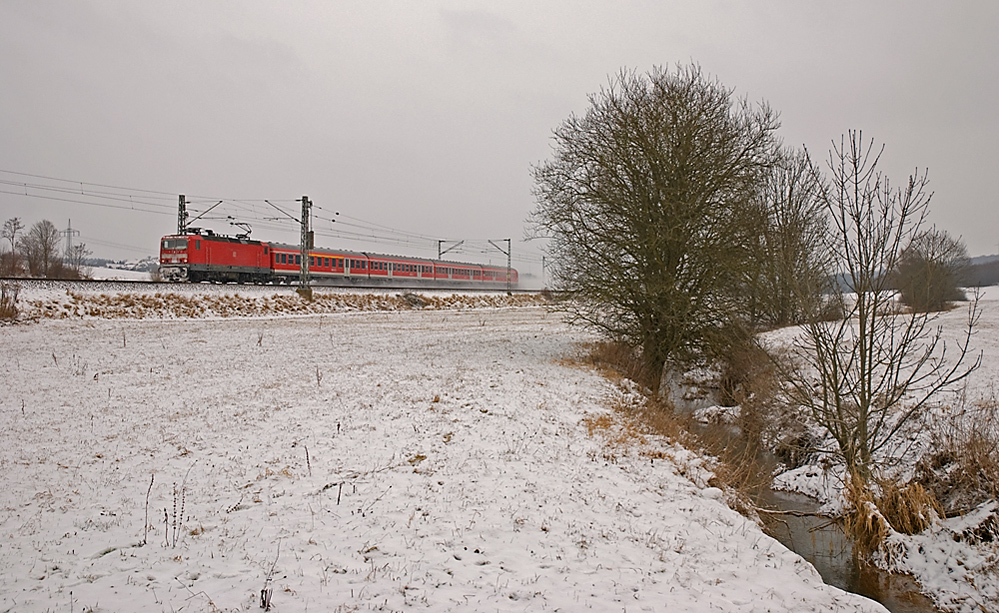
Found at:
<point>202,255</point>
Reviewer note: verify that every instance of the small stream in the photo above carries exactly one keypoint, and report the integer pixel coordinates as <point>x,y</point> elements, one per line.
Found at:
<point>831,553</point>
<point>819,540</point>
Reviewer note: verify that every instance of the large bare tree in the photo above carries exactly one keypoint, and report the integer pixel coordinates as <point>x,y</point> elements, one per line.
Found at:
<point>647,199</point>
<point>867,376</point>
<point>41,249</point>
<point>931,270</point>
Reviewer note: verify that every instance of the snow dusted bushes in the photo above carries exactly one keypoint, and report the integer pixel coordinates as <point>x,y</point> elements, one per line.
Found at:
<point>963,470</point>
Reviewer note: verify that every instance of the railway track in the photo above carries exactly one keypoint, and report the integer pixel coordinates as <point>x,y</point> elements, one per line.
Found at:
<point>147,285</point>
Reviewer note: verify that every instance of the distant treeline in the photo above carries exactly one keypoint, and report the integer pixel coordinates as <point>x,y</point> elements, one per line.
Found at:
<point>986,273</point>
<point>35,252</point>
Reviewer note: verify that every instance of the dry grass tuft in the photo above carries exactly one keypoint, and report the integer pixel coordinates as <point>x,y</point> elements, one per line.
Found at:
<point>637,415</point>
<point>8,300</point>
<point>615,360</point>
<point>870,519</point>
<point>599,423</point>
<point>963,471</point>
<point>863,522</point>
<point>620,432</point>
<point>909,509</point>
<point>661,420</point>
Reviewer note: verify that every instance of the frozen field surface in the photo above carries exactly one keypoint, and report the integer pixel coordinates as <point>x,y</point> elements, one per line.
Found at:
<point>409,460</point>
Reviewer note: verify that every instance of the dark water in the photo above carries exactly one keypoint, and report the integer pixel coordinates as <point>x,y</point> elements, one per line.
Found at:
<point>824,544</point>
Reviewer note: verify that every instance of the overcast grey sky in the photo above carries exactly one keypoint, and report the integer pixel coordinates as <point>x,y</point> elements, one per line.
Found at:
<point>426,116</point>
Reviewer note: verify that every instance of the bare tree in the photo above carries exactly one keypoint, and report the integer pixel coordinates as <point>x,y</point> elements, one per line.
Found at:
<point>41,249</point>
<point>791,256</point>
<point>11,262</point>
<point>930,271</point>
<point>76,261</point>
<point>866,377</point>
<point>646,200</point>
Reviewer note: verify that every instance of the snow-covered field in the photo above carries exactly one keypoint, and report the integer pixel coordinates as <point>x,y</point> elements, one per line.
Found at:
<point>118,274</point>
<point>434,459</point>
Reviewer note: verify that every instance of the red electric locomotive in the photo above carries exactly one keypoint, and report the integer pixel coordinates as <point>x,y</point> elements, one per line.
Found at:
<point>204,256</point>
<point>198,256</point>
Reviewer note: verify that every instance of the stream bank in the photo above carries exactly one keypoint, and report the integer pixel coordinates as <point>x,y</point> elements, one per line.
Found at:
<point>797,524</point>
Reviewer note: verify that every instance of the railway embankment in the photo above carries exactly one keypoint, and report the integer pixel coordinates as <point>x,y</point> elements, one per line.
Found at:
<point>66,300</point>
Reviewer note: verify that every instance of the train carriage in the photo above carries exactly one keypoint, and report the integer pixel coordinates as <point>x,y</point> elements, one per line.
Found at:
<point>205,256</point>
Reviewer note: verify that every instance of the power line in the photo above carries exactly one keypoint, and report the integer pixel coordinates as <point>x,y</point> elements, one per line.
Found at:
<point>81,183</point>
<point>237,210</point>
<point>132,207</point>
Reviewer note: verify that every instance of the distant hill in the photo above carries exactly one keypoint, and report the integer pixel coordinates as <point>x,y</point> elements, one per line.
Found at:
<point>984,270</point>
<point>146,264</point>
<point>984,259</point>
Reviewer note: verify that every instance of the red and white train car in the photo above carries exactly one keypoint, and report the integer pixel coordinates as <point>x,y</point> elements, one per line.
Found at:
<point>207,256</point>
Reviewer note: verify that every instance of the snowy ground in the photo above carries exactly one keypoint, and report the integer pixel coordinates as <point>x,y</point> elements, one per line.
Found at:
<point>112,274</point>
<point>411,460</point>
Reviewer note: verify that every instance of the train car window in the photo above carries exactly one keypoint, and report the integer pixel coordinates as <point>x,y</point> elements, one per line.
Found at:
<point>298,260</point>
<point>265,250</point>
<point>197,245</point>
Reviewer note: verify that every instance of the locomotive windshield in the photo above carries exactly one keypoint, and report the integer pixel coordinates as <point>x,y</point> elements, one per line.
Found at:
<point>175,243</point>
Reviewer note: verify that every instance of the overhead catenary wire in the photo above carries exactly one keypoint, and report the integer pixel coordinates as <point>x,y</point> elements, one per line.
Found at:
<point>260,212</point>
